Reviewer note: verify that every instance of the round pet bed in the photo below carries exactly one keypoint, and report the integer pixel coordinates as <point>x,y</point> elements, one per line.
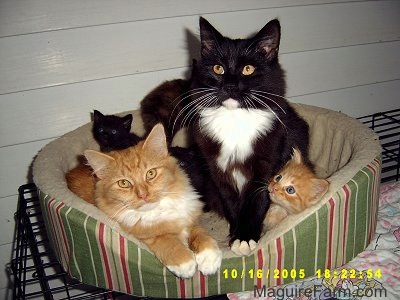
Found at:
<point>93,249</point>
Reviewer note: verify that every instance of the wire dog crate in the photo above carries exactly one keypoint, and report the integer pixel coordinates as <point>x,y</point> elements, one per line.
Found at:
<point>38,274</point>
<point>387,126</point>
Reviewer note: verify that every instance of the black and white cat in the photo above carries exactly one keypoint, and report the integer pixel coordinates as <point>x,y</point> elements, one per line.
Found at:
<point>244,127</point>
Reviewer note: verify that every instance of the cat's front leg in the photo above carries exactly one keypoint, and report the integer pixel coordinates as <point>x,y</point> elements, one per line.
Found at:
<point>208,255</point>
<point>275,215</point>
<point>247,231</point>
<point>171,251</point>
<point>240,242</point>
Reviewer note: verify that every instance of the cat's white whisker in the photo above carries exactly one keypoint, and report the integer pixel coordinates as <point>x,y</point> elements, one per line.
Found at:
<point>257,181</point>
<point>249,103</point>
<point>258,191</point>
<point>185,108</point>
<point>265,105</point>
<point>193,93</point>
<point>256,93</point>
<point>258,100</point>
<point>119,210</point>
<point>208,102</point>
<point>187,95</point>
<point>190,114</point>
<point>203,101</point>
<point>272,94</point>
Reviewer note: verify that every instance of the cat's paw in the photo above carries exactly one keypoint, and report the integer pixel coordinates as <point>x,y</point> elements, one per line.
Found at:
<point>184,270</point>
<point>209,261</point>
<point>242,247</point>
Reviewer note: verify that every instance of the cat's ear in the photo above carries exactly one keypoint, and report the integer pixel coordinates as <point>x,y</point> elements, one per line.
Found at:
<point>156,142</point>
<point>319,188</point>
<point>97,115</point>
<point>296,156</point>
<point>210,38</point>
<point>127,121</point>
<point>268,39</point>
<point>98,161</point>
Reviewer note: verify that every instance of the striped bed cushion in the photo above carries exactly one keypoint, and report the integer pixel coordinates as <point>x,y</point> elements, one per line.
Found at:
<point>95,254</point>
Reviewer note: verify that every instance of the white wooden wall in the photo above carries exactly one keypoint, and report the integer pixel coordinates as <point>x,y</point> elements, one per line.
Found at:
<point>59,60</point>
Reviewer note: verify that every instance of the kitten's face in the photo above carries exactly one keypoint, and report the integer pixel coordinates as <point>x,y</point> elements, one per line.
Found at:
<point>242,73</point>
<point>296,187</point>
<point>134,178</point>
<point>186,158</point>
<point>109,130</point>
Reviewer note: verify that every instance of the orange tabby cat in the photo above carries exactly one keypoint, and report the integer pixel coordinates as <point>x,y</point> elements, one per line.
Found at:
<point>150,196</point>
<point>295,188</point>
<point>82,181</point>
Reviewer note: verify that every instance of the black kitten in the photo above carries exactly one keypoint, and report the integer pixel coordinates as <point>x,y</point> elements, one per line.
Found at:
<point>113,132</point>
<point>244,127</point>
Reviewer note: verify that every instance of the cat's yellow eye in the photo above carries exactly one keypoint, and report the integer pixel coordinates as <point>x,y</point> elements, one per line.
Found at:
<point>290,190</point>
<point>123,183</point>
<point>151,174</point>
<point>248,70</point>
<point>218,69</point>
<point>278,177</point>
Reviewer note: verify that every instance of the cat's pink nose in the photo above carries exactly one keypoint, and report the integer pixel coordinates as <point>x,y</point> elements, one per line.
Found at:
<point>272,189</point>
<point>143,196</point>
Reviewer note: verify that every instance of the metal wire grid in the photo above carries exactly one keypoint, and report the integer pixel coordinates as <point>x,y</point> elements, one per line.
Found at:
<point>37,273</point>
<point>387,126</point>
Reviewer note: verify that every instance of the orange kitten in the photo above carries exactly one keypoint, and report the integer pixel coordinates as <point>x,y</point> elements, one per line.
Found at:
<point>295,188</point>
<point>82,181</point>
<point>150,196</point>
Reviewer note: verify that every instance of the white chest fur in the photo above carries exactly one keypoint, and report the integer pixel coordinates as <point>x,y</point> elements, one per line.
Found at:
<point>173,208</point>
<point>236,129</point>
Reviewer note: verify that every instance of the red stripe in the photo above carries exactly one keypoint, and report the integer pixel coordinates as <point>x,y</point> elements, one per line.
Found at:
<point>279,257</point>
<point>346,212</point>
<point>202,285</point>
<point>62,227</point>
<point>124,266</point>
<point>332,205</point>
<point>260,267</point>
<point>182,286</point>
<point>105,257</point>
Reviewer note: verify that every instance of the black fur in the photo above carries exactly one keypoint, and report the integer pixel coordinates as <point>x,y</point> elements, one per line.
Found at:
<point>192,162</point>
<point>113,132</point>
<point>264,90</point>
<point>163,104</point>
